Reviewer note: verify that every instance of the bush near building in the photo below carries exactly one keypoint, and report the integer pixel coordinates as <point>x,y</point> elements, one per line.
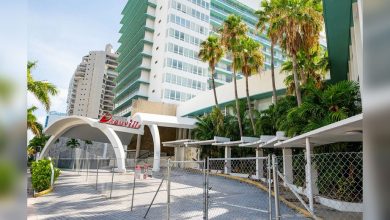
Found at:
<point>41,174</point>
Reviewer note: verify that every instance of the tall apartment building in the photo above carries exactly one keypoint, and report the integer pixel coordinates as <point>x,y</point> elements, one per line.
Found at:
<point>158,55</point>
<point>91,87</point>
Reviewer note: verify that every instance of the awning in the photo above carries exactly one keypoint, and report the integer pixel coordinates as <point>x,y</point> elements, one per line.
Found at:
<point>165,120</point>
<point>255,144</point>
<point>347,130</point>
<point>237,143</point>
<point>215,140</point>
<point>272,141</point>
<point>177,143</point>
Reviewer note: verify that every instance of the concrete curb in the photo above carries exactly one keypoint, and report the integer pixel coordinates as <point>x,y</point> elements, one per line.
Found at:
<point>44,192</point>
<point>265,188</point>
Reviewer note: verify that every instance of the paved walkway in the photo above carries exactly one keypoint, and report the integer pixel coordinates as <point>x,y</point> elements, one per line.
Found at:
<point>76,198</point>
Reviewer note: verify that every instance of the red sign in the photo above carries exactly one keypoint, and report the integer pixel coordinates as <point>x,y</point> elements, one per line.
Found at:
<point>119,121</point>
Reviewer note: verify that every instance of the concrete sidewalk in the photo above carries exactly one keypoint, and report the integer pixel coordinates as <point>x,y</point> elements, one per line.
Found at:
<point>75,198</point>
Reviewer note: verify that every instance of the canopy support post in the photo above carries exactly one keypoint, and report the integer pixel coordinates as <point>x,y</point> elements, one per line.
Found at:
<point>228,163</point>
<point>288,165</point>
<point>259,163</point>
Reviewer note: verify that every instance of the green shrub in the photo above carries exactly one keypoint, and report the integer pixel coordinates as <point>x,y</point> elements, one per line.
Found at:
<point>41,175</point>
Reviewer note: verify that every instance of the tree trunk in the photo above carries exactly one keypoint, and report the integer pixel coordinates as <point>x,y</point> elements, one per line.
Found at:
<point>296,80</point>
<point>274,97</point>
<point>248,101</point>
<point>237,104</point>
<point>215,91</point>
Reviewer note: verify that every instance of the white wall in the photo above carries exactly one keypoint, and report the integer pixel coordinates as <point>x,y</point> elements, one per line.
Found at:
<point>225,93</point>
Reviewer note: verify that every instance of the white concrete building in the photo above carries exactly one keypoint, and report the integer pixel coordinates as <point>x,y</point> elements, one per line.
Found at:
<point>90,89</point>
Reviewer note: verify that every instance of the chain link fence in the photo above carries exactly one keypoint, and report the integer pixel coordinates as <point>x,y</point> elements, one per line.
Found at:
<point>232,191</point>
<point>336,183</point>
<point>186,195</point>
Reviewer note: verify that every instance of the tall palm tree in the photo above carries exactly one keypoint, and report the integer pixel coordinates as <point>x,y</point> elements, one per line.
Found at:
<point>233,29</point>
<point>32,123</point>
<point>211,52</point>
<point>266,15</point>
<point>40,89</point>
<point>300,23</point>
<point>252,60</point>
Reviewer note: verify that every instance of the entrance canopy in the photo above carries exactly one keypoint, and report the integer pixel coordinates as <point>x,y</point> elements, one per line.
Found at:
<point>91,129</point>
<point>165,120</point>
<point>347,130</point>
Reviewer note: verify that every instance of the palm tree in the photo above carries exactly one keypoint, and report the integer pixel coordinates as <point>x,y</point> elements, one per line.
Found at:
<point>73,143</point>
<point>252,60</point>
<point>233,29</point>
<point>313,66</point>
<point>300,23</point>
<point>32,123</point>
<point>266,16</point>
<point>211,52</point>
<point>40,89</point>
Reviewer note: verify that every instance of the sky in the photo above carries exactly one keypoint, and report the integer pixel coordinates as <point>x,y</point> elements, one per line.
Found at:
<point>60,33</point>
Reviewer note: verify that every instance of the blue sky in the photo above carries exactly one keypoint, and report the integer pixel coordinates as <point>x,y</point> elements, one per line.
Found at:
<point>60,33</point>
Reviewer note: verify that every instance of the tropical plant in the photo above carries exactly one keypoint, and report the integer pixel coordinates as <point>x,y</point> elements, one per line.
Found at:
<point>211,52</point>
<point>37,143</point>
<point>40,89</point>
<point>299,22</point>
<point>32,124</point>
<point>232,30</point>
<point>250,61</point>
<point>313,66</point>
<point>322,107</point>
<point>41,174</point>
<point>266,15</point>
<point>73,143</point>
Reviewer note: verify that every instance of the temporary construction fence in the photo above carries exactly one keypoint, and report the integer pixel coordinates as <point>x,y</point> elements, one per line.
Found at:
<point>330,186</point>
<point>225,188</point>
<point>186,190</point>
<point>238,199</point>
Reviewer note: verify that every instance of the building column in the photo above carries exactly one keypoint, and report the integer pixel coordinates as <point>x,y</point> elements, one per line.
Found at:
<point>228,163</point>
<point>138,146</point>
<point>105,151</point>
<point>287,165</point>
<point>157,147</point>
<point>311,176</point>
<point>259,163</point>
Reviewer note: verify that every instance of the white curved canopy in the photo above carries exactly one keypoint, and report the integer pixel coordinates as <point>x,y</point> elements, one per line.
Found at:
<point>91,129</point>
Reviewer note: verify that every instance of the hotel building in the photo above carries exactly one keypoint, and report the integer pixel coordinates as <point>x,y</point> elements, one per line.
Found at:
<point>158,55</point>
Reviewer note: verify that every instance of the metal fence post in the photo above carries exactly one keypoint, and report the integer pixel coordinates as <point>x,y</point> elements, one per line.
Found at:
<point>88,162</point>
<point>112,178</point>
<point>276,187</point>
<point>169,189</point>
<point>132,195</point>
<point>97,172</point>
<point>207,188</point>
<point>204,190</point>
<point>269,186</point>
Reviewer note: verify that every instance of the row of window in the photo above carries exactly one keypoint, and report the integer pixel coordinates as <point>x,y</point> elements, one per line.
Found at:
<point>201,3</point>
<point>187,24</point>
<point>182,51</point>
<point>188,10</point>
<point>186,82</point>
<point>177,95</point>
<point>184,37</point>
<point>177,64</point>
